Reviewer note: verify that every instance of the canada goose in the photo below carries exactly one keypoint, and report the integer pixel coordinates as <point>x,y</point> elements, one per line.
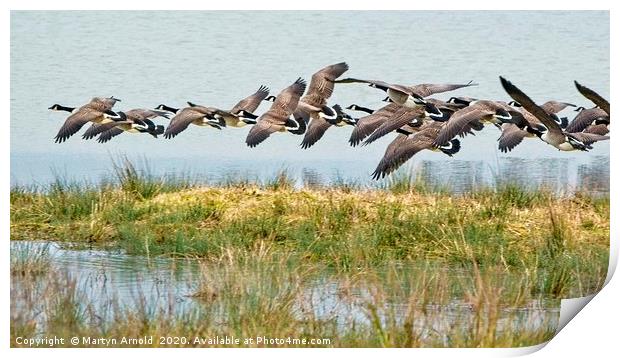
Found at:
<point>98,110</point>
<point>408,96</point>
<point>587,118</point>
<point>317,128</point>
<point>403,116</point>
<point>408,143</point>
<point>320,90</point>
<point>416,117</point>
<point>551,107</point>
<point>593,96</point>
<point>242,113</point>
<point>313,105</point>
<point>483,111</point>
<point>553,135</point>
<point>135,121</point>
<point>512,134</point>
<point>355,107</point>
<point>245,108</point>
<point>197,115</point>
<point>278,117</point>
<point>367,124</point>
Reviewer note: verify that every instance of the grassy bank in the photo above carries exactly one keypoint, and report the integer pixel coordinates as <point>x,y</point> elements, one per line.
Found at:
<point>398,255</point>
<point>563,241</point>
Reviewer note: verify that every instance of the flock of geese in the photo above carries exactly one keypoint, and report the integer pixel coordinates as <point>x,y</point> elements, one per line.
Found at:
<point>420,121</point>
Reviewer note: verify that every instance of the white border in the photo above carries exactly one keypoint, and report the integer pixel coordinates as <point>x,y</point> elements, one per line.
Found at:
<point>593,331</point>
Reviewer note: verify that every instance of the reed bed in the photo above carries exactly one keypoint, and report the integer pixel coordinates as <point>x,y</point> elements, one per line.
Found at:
<point>242,295</point>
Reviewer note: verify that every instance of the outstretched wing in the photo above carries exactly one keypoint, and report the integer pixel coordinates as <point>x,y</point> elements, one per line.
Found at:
<point>511,137</point>
<point>260,131</point>
<point>251,103</point>
<point>109,134</point>
<point>317,128</point>
<point>322,82</point>
<point>181,121</point>
<point>593,96</point>
<point>428,89</point>
<point>75,122</point>
<point>530,105</point>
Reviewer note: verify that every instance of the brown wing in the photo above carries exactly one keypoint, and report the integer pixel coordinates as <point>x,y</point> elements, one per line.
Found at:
<point>142,114</point>
<point>288,99</point>
<point>92,131</point>
<point>402,117</point>
<point>181,121</point>
<point>555,106</point>
<point>584,119</point>
<point>378,84</point>
<point>593,96</point>
<point>262,130</point>
<point>400,151</point>
<point>75,122</point>
<point>459,123</point>
<point>109,134</point>
<point>251,103</point>
<point>600,129</point>
<point>102,103</point>
<point>317,128</point>
<point>367,124</point>
<point>530,106</point>
<point>511,137</point>
<point>428,89</point>
<point>95,129</point>
<point>588,138</point>
<point>322,82</point>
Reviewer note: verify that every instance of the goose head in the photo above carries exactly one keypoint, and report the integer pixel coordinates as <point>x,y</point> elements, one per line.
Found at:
<point>462,101</point>
<point>270,99</point>
<point>387,99</point>
<point>163,107</point>
<point>58,107</point>
<point>341,118</point>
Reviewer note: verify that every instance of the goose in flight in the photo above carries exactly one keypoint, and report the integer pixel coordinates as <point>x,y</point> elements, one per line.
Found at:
<point>278,118</point>
<point>98,110</point>
<point>411,141</point>
<point>194,114</point>
<point>408,96</point>
<point>134,121</point>
<point>552,134</point>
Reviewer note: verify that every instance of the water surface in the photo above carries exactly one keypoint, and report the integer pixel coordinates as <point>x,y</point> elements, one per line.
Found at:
<point>108,283</point>
<point>216,58</point>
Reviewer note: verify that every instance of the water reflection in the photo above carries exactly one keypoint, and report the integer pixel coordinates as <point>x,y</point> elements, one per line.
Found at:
<point>107,281</point>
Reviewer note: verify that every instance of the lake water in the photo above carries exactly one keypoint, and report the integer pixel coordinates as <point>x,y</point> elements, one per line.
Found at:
<point>215,58</point>
<point>107,283</point>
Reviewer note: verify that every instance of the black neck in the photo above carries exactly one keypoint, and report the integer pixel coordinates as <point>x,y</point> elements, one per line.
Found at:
<point>364,109</point>
<point>169,109</point>
<point>63,108</point>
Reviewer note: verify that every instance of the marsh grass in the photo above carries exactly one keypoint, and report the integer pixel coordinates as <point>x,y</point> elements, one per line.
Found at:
<point>561,241</point>
<point>268,294</point>
<point>29,260</point>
